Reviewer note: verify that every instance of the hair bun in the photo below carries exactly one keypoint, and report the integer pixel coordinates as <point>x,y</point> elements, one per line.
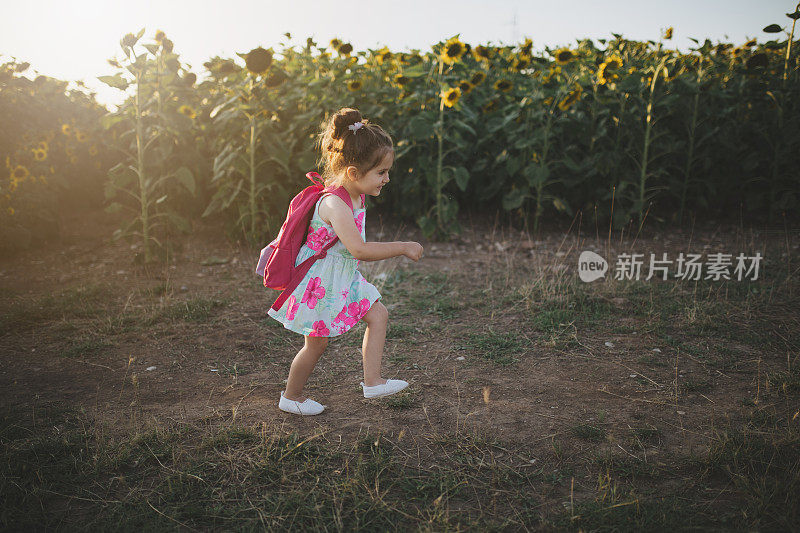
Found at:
<point>345,117</point>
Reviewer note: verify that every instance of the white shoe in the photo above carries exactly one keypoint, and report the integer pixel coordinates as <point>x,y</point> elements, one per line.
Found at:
<point>306,407</point>
<point>390,387</point>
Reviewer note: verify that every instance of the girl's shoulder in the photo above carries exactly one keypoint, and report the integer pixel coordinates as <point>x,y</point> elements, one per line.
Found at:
<point>327,204</point>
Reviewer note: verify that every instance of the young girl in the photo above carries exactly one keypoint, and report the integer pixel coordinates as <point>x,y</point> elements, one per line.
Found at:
<point>333,296</point>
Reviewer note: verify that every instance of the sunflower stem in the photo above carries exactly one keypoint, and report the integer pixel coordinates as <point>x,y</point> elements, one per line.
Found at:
<point>789,49</point>
<point>252,169</point>
<point>141,171</point>
<point>692,138</point>
<point>542,163</point>
<point>439,134</point>
<point>648,128</point>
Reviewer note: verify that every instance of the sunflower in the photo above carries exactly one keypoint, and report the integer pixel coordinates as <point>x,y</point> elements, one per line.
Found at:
<point>93,150</point>
<point>477,78</point>
<point>160,35</point>
<point>481,53</point>
<point>489,106</point>
<point>548,101</point>
<point>39,155</point>
<point>276,77</point>
<point>383,55</point>
<point>607,70</point>
<point>453,50</point>
<point>503,85</point>
<point>401,80</point>
<point>571,98</point>
<point>521,62</point>
<point>227,67</point>
<point>129,40</point>
<point>722,48</point>
<point>526,47</point>
<point>19,173</point>
<point>66,129</point>
<point>564,56</point>
<point>335,44</point>
<point>80,136</point>
<point>465,86</point>
<point>186,110</point>
<point>451,96</point>
<point>668,34</point>
<point>751,43</point>
<point>43,145</point>
<point>345,50</point>
<point>354,85</point>
<point>258,60</point>
<point>757,60</point>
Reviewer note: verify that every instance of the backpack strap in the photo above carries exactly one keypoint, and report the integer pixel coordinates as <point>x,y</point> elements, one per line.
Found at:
<point>302,269</point>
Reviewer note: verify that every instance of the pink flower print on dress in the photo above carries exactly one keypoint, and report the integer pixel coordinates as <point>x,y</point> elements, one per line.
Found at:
<point>314,291</point>
<point>341,316</point>
<point>293,307</point>
<point>318,239</point>
<point>345,293</point>
<point>320,330</point>
<point>350,314</point>
<point>360,222</point>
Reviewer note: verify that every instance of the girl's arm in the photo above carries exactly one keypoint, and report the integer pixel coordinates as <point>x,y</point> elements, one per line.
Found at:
<point>345,227</point>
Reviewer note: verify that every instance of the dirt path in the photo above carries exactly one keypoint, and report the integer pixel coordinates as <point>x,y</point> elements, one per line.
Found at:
<point>192,342</point>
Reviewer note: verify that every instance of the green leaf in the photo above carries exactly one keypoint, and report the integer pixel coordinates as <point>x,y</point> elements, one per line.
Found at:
<point>152,48</point>
<point>421,127</point>
<point>110,119</point>
<point>116,81</point>
<point>514,198</point>
<point>537,174</point>
<point>181,223</point>
<point>185,177</point>
<point>772,28</point>
<point>462,178</point>
<point>463,125</point>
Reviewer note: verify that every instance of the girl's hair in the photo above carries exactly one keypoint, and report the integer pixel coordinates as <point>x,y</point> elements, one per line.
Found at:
<point>342,147</point>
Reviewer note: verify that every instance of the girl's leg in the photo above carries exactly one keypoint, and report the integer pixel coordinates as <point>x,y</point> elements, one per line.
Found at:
<point>377,319</point>
<point>302,366</point>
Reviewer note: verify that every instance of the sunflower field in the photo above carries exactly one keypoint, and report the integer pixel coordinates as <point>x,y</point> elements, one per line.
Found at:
<point>618,131</point>
<point>55,160</point>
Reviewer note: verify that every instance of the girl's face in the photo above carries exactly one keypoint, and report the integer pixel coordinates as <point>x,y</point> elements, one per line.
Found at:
<point>372,182</point>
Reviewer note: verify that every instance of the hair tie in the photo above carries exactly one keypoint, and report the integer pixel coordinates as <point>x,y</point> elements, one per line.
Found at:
<point>354,127</point>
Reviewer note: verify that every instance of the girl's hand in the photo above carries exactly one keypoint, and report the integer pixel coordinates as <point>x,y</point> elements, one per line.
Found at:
<point>413,250</point>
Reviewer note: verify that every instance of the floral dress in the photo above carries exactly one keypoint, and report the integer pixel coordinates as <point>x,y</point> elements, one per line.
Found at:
<point>333,295</point>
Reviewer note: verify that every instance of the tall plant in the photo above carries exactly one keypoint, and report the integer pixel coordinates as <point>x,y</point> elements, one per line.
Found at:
<point>139,124</point>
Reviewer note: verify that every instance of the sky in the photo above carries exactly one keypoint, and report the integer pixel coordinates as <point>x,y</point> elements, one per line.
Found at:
<point>72,39</point>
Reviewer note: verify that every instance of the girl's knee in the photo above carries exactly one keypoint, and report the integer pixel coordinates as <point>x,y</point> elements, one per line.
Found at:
<point>377,313</point>
<point>317,344</point>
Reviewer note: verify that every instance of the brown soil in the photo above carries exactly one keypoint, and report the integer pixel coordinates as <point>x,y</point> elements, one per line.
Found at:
<point>527,406</point>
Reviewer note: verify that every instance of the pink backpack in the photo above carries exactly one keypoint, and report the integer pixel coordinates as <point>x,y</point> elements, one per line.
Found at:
<point>277,260</point>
